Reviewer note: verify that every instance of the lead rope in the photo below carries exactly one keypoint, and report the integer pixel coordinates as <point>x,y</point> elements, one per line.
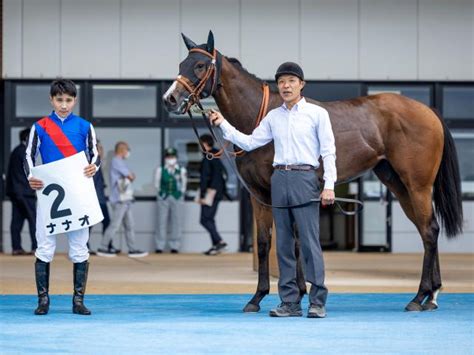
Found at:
<point>216,137</point>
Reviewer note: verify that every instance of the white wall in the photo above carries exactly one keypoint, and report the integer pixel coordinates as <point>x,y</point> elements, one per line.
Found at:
<point>332,39</point>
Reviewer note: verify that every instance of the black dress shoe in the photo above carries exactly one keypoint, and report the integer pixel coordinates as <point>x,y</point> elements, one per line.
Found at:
<point>174,251</point>
<point>158,251</point>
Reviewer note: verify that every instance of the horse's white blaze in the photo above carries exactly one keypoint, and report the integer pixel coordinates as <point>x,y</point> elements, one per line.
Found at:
<point>170,90</point>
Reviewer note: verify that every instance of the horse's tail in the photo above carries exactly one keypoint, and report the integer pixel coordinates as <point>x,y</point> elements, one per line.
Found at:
<point>447,187</point>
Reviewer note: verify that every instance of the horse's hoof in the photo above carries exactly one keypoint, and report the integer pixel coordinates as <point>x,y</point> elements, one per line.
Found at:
<point>429,306</point>
<point>251,308</point>
<point>414,307</point>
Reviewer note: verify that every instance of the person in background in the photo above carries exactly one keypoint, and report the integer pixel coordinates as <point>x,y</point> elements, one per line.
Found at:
<point>170,182</point>
<point>100,186</point>
<point>212,190</point>
<point>22,196</point>
<point>121,198</point>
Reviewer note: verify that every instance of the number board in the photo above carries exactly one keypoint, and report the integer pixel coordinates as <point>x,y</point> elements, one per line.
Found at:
<point>68,201</point>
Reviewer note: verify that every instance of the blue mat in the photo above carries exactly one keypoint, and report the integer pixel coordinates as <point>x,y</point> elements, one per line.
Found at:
<point>356,323</point>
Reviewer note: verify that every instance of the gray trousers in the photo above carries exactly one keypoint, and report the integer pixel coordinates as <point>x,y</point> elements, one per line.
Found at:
<point>169,214</point>
<point>290,188</point>
<point>122,215</point>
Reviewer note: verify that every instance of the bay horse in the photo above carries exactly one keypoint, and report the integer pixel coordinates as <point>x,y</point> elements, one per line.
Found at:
<point>405,143</point>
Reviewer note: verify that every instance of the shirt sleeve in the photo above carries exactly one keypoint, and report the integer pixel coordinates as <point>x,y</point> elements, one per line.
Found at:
<point>328,150</point>
<point>121,167</point>
<point>32,150</point>
<point>259,137</point>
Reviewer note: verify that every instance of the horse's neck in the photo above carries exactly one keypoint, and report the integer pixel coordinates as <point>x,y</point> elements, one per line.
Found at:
<point>239,98</point>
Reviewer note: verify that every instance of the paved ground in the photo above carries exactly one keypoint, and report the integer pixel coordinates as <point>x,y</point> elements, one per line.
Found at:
<point>232,273</point>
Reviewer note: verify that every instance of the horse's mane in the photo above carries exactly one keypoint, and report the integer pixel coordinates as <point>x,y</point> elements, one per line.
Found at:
<point>236,63</point>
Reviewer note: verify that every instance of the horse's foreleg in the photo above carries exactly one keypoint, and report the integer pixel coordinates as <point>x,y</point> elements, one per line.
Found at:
<point>264,223</point>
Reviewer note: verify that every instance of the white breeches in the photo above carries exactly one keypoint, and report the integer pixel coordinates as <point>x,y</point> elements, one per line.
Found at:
<point>78,251</point>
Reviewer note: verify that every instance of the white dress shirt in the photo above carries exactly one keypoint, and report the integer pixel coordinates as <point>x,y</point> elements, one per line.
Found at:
<point>301,135</point>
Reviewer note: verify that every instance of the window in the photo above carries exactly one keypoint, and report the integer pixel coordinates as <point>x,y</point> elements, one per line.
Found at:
<point>124,101</point>
<point>332,91</point>
<point>145,147</point>
<point>14,139</point>
<point>32,100</point>
<point>458,102</point>
<point>465,148</point>
<point>419,93</point>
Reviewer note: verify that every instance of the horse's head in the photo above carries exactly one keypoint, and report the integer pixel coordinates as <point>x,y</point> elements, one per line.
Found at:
<point>197,78</point>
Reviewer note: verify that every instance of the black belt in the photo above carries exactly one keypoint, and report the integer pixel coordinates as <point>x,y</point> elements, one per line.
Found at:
<point>303,167</point>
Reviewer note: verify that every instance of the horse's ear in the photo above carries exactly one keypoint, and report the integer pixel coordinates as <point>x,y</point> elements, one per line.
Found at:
<point>189,44</point>
<point>210,42</point>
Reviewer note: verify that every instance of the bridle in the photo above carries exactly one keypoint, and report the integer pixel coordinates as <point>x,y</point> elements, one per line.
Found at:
<point>194,98</point>
<point>195,91</point>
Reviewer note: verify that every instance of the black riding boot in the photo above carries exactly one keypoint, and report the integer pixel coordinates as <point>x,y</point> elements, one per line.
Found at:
<point>80,280</point>
<point>42,285</point>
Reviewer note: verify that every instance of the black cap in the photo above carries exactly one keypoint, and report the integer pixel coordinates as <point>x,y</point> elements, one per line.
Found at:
<point>289,68</point>
<point>171,152</point>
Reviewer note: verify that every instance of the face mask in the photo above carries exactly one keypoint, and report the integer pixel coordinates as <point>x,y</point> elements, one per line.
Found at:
<point>127,155</point>
<point>171,161</point>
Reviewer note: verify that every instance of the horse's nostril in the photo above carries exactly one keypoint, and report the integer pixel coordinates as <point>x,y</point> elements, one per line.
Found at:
<point>172,100</point>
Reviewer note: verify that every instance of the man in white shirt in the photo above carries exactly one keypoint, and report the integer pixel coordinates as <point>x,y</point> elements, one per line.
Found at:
<point>301,132</point>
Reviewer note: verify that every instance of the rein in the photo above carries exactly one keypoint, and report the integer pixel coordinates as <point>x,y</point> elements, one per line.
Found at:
<point>194,99</point>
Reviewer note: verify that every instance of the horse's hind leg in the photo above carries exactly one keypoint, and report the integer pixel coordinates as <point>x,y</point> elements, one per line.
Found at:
<point>430,283</point>
<point>428,228</point>
<point>431,302</point>
<point>264,221</point>
<point>422,216</point>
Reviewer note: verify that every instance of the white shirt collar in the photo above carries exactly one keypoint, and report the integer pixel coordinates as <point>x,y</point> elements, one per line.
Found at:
<point>297,106</point>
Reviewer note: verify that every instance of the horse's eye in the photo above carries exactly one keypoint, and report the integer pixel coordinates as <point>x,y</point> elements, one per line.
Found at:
<point>200,66</point>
